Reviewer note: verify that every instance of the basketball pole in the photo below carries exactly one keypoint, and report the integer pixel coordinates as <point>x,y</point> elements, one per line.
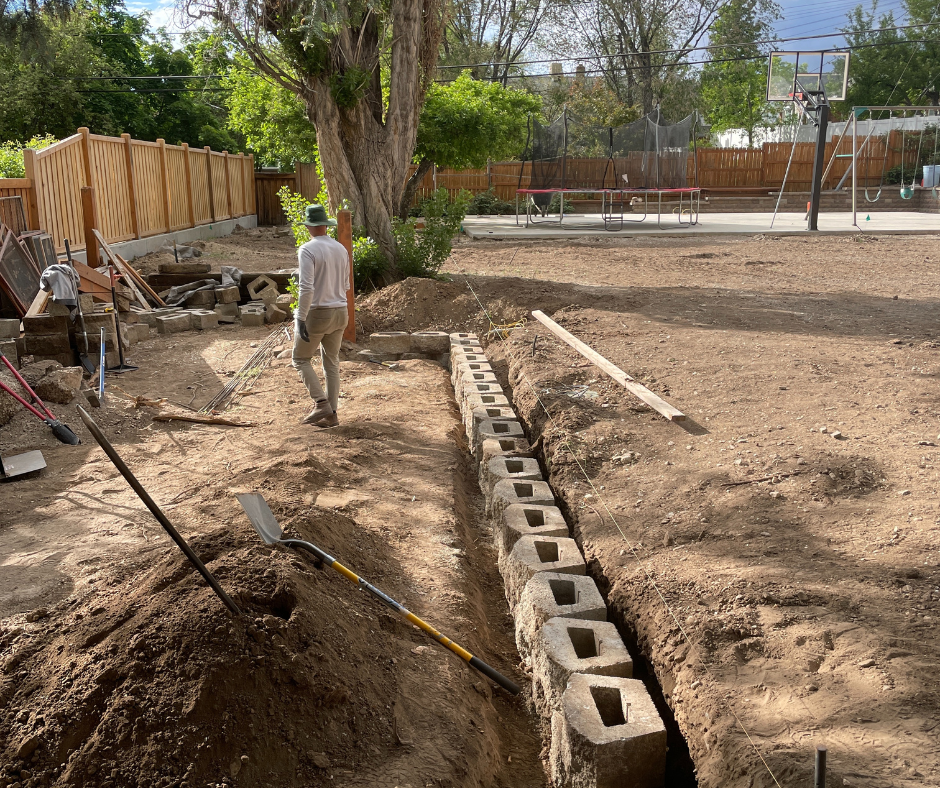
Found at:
<point>819,164</point>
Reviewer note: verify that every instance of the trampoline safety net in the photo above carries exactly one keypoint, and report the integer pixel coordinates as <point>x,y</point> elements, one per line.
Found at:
<point>646,154</point>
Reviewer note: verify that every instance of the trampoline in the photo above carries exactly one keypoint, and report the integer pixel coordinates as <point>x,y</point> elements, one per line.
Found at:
<point>640,163</point>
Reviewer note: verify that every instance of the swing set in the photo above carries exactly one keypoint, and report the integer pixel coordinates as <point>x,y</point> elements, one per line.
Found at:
<point>908,126</point>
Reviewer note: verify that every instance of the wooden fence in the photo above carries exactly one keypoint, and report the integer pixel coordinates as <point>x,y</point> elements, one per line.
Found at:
<point>267,184</point>
<point>714,168</point>
<point>141,188</point>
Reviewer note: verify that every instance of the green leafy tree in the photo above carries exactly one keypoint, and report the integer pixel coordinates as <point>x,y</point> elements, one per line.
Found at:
<point>880,61</point>
<point>271,118</point>
<point>734,92</point>
<point>464,123</point>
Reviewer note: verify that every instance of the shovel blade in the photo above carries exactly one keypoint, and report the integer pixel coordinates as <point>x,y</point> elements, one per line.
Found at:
<point>64,433</point>
<point>261,516</point>
<point>19,464</point>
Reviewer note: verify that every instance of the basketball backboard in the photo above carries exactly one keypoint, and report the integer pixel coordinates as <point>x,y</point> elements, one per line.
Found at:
<point>792,73</point>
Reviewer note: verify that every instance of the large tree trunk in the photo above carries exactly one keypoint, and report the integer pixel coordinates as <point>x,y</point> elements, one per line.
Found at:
<point>411,188</point>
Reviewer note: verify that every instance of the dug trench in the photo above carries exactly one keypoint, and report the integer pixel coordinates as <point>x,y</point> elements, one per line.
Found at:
<point>121,668</point>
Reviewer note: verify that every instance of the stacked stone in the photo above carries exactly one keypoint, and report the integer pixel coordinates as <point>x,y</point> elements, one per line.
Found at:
<point>605,730</point>
<point>402,346</point>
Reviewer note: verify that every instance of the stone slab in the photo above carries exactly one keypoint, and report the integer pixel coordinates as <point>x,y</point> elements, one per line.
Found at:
<point>394,342</point>
<point>8,348</point>
<point>173,324</point>
<point>430,343</point>
<point>46,324</point>
<point>9,328</point>
<point>228,295</point>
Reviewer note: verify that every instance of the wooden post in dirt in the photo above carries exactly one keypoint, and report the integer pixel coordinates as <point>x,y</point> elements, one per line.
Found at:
<point>131,183</point>
<point>86,156</point>
<point>89,225</point>
<point>344,236</point>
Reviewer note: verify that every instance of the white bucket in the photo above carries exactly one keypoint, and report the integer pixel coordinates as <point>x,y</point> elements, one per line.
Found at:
<point>931,175</point>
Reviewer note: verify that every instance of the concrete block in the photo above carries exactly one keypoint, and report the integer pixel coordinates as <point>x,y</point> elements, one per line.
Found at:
<point>87,303</point>
<point>63,359</point>
<point>46,324</point>
<point>515,468</point>
<point>184,268</point>
<point>203,319</point>
<point>142,330</point>
<point>228,295</point>
<point>227,313</point>
<point>9,329</point>
<point>473,376</point>
<point>551,595</point>
<point>570,645</point>
<point>485,400</point>
<point>201,298</point>
<point>47,344</point>
<point>534,554</point>
<point>607,734</point>
<point>376,358</point>
<point>508,492</point>
<point>467,353</point>
<point>464,339</point>
<point>57,309</point>
<point>524,520</point>
<point>173,324</point>
<point>396,342</point>
<point>94,323</point>
<point>263,288</point>
<point>150,318</point>
<point>130,318</point>
<point>501,447</point>
<point>457,370</point>
<point>493,428</point>
<point>473,418</point>
<point>284,304</point>
<point>477,388</point>
<point>8,348</point>
<point>430,343</point>
<point>274,315</point>
<point>252,318</point>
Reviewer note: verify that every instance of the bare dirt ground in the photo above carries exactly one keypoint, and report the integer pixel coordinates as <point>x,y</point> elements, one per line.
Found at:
<point>119,667</point>
<point>782,581</point>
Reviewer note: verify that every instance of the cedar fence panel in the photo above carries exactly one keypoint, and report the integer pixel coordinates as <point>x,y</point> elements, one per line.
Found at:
<point>267,185</point>
<point>141,188</point>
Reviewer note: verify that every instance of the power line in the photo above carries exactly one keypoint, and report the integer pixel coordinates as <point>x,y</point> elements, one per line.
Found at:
<point>136,91</point>
<point>838,34</point>
<point>155,76</point>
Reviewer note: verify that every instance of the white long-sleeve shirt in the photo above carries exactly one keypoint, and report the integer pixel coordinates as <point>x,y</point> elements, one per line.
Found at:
<point>324,274</point>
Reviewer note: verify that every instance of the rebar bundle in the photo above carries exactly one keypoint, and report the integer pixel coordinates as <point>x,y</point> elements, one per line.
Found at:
<point>248,374</point>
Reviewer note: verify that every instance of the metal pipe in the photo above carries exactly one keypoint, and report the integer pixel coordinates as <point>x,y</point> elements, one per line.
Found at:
<point>855,168</point>
<point>820,781</point>
<point>157,512</point>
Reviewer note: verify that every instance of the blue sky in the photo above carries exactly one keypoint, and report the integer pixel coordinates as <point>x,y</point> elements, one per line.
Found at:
<point>800,18</point>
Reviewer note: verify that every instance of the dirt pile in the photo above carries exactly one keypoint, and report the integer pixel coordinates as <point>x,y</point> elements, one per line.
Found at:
<point>152,683</point>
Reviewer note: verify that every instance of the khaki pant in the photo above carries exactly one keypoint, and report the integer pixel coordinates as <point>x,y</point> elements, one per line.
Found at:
<point>325,325</point>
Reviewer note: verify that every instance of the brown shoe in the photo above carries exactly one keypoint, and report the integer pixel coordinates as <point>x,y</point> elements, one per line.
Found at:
<point>321,411</point>
<point>327,421</point>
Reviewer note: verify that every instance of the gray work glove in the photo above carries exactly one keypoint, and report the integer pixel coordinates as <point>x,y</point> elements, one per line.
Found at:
<point>301,328</point>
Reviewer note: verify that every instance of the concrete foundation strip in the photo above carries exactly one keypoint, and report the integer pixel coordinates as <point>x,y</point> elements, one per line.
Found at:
<point>656,402</point>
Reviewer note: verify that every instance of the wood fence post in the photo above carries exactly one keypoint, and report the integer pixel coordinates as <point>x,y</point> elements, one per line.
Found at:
<point>89,225</point>
<point>189,185</point>
<point>344,236</point>
<point>165,178</point>
<point>228,185</point>
<point>253,192</point>
<point>31,164</point>
<point>131,183</point>
<point>86,157</point>
<point>208,151</point>
<point>489,174</point>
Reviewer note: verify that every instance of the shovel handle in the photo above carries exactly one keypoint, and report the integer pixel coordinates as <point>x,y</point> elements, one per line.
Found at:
<point>22,401</point>
<point>474,662</point>
<point>25,385</point>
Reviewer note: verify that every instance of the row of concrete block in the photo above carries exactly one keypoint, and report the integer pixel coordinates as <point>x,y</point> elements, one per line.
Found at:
<point>605,730</point>
<point>395,344</point>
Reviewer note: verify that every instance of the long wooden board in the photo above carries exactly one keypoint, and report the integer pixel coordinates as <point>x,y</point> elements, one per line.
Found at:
<point>142,282</point>
<point>129,280</point>
<point>656,402</point>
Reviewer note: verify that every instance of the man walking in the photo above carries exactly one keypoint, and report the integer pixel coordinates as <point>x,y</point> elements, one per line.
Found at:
<point>321,314</point>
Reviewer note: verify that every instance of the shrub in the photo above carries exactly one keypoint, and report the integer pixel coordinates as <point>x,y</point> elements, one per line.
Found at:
<point>423,253</point>
<point>488,204</point>
<point>11,155</point>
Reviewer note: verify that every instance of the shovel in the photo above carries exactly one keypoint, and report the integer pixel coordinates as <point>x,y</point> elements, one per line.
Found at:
<point>20,464</point>
<point>87,364</point>
<point>268,528</point>
<point>60,430</point>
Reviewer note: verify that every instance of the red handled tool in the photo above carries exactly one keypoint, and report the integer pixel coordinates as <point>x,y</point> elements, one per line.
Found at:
<point>60,430</point>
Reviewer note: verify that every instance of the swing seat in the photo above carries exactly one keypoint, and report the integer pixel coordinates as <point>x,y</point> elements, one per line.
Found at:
<point>907,192</point>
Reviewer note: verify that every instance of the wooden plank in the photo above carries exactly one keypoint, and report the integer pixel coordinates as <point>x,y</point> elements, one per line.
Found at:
<point>90,222</point>
<point>637,389</point>
<point>39,304</point>
<point>187,166</point>
<point>127,277</point>
<point>131,183</point>
<point>141,281</point>
<point>164,183</point>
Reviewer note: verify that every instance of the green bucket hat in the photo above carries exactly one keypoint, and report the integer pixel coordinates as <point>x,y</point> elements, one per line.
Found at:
<point>316,217</point>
